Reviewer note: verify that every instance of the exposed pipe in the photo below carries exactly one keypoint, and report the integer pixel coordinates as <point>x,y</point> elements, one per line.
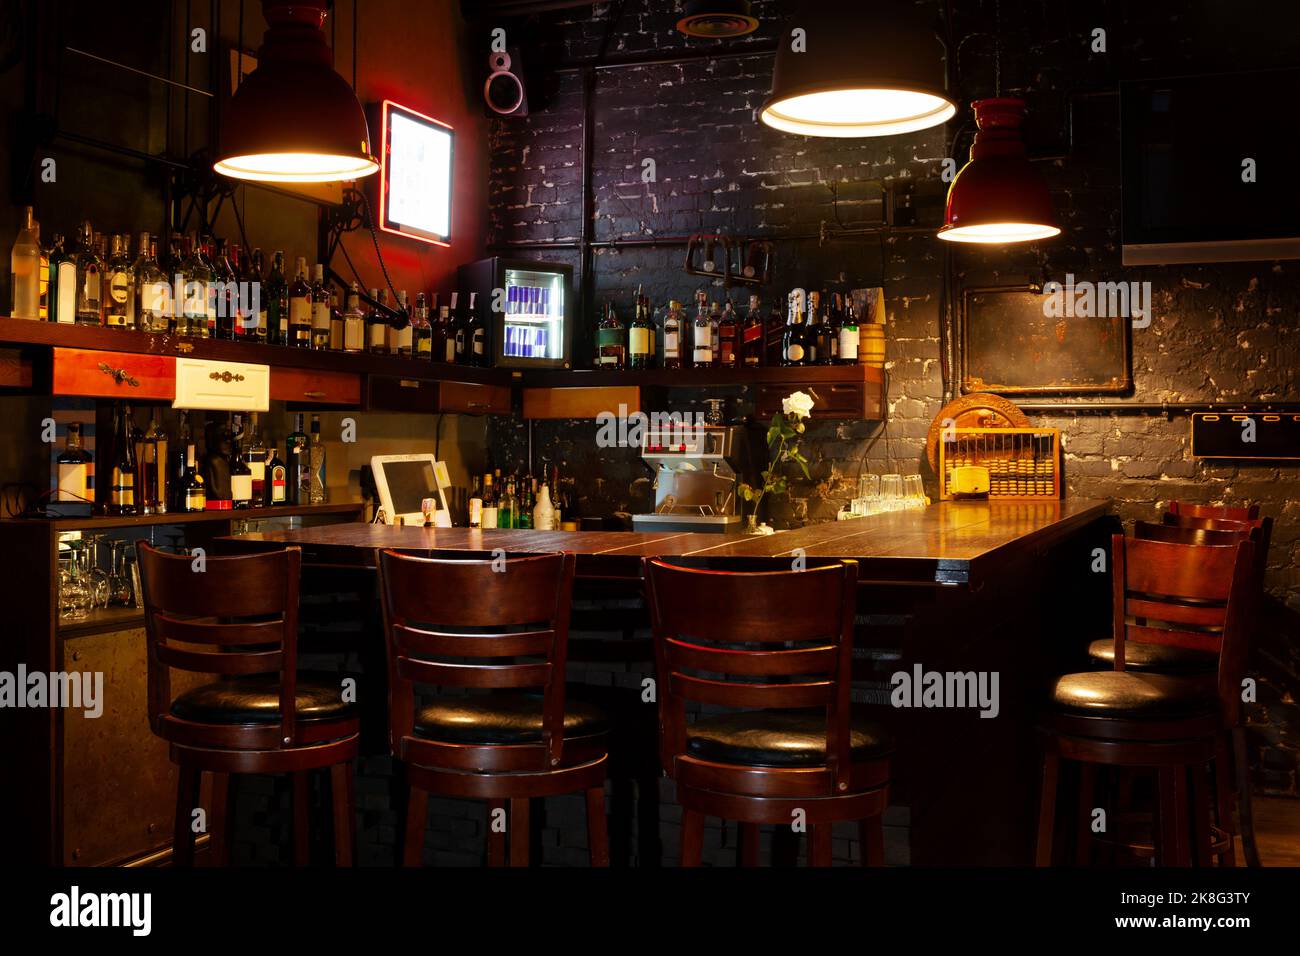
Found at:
<point>1158,408</point>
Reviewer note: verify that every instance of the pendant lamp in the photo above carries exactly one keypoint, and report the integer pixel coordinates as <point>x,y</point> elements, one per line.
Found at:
<point>864,69</point>
<point>293,119</point>
<point>998,197</point>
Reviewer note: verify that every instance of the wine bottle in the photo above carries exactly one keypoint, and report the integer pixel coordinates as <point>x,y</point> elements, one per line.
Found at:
<point>300,300</point>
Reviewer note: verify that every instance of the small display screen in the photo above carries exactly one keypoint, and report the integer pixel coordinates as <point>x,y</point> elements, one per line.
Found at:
<point>409,483</point>
<point>417,175</point>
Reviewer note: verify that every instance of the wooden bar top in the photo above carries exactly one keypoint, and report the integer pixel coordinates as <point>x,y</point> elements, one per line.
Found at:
<point>947,543</point>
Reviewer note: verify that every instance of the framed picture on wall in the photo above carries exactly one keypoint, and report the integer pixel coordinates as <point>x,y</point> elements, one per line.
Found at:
<point>1023,340</point>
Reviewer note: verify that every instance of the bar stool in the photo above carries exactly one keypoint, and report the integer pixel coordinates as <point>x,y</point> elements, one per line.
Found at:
<point>1189,596</point>
<point>780,643</point>
<point>238,617</point>
<point>1185,509</point>
<point>461,624</point>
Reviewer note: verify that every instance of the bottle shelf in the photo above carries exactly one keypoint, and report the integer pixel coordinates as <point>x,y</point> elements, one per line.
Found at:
<point>103,522</point>
<point>705,377</point>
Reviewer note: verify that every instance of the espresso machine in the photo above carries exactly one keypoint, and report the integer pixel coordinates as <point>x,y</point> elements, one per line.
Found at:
<point>697,471</point>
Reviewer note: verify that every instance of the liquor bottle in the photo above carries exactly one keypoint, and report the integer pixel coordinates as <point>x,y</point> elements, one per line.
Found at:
<point>74,466</point>
<point>544,511</point>
<point>241,476</point>
<point>121,488</point>
<point>318,300</point>
<point>255,458</point>
<point>217,454</point>
<point>152,290</point>
<point>812,330</point>
<point>300,300</point>
<point>828,341</point>
<point>253,275</point>
<point>774,337</point>
<point>336,322</point>
<point>728,336</point>
<point>752,345</point>
<point>184,438</point>
<point>508,508</point>
<point>475,505</point>
<point>702,335</point>
<point>277,302</point>
<point>208,257</point>
<point>404,338</point>
<point>422,331</point>
<point>458,331</point>
<point>476,335</point>
<point>241,321</point>
<point>151,471</point>
<point>376,328</point>
<point>443,340</point>
<point>25,269</point>
<point>62,283</point>
<point>89,281</point>
<point>524,514</point>
<point>674,320</point>
<point>119,307</point>
<point>296,464</point>
<point>640,337</point>
<point>610,348</point>
<point>193,320</point>
<point>315,465</point>
<point>848,352</point>
<point>489,518</point>
<point>793,348</point>
<point>275,491</point>
<point>715,332</point>
<point>354,323</point>
<point>193,494</point>
<point>225,293</point>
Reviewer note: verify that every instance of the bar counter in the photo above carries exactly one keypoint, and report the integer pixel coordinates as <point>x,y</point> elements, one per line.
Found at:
<point>951,542</point>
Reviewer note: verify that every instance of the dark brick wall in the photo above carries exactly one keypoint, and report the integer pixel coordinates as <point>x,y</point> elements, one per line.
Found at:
<point>1221,332</point>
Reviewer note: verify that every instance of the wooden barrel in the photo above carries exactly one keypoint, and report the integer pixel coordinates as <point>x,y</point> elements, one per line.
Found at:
<point>871,344</point>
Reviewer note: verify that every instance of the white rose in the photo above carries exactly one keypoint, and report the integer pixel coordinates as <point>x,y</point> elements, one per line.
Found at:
<point>799,405</point>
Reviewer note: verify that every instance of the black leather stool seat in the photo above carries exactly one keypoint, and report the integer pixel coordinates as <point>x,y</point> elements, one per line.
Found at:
<point>256,700</point>
<point>780,738</point>
<point>1129,694</point>
<point>506,718</point>
<point>1161,658</point>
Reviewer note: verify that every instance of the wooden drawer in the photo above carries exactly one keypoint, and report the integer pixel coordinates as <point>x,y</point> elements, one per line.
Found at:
<point>301,385</point>
<point>124,376</point>
<point>582,402</point>
<point>391,393</point>
<point>853,400</point>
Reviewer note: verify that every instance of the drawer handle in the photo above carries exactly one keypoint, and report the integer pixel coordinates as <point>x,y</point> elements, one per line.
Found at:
<point>185,348</point>
<point>476,404</point>
<point>408,382</point>
<point>313,394</point>
<point>226,377</point>
<point>120,375</point>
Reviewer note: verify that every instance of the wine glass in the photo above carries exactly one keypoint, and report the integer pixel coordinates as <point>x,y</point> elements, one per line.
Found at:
<point>74,595</point>
<point>119,579</point>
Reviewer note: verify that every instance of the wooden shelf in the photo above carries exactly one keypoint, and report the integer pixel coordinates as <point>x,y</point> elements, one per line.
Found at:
<point>23,332</point>
<point>102,620</point>
<point>706,377</point>
<point>99,523</point>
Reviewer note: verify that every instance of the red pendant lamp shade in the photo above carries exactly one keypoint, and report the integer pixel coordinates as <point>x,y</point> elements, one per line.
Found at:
<point>999,197</point>
<point>294,119</point>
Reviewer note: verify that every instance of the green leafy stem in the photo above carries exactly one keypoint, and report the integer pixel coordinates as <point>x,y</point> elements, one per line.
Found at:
<point>783,443</point>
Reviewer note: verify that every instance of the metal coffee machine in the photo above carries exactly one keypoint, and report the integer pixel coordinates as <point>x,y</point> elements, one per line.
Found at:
<point>697,469</point>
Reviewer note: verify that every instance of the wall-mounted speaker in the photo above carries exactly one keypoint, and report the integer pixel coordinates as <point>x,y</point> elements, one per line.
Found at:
<point>504,92</point>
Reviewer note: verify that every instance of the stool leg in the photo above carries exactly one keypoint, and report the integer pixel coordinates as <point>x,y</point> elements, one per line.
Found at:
<point>519,831</point>
<point>1047,809</point>
<point>597,837</point>
<point>1223,800</point>
<point>749,843</point>
<point>1172,849</point>
<point>1244,812</point>
<point>496,838</point>
<point>219,830</point>
<point>871,833</point>
<point>692,837</point>
<point>1201,835</point>
<point>819,844</point>
<point>417,816</point>
<point>344,818</point>
<point>1087,794</point>
<point>187,792</point>
<point>301,818</point>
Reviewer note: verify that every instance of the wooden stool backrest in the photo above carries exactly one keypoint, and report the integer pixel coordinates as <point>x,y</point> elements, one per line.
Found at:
<point>1186,509</point>
<point>225,615</point>
<point>1259,529</point>
<point>481,611</point>
<point>1183,534</point>
<point>1193,596</point>
<point>731,624</point>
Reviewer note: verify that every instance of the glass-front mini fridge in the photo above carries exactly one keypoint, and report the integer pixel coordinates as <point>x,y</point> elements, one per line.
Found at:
<point>531,308</point>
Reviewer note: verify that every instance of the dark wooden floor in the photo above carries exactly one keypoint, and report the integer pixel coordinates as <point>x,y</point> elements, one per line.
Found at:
<point>1277,830</point>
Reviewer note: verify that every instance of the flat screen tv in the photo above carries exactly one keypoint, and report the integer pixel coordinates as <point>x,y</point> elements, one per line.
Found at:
<point>415,178</point>
<point>1209,168</point>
